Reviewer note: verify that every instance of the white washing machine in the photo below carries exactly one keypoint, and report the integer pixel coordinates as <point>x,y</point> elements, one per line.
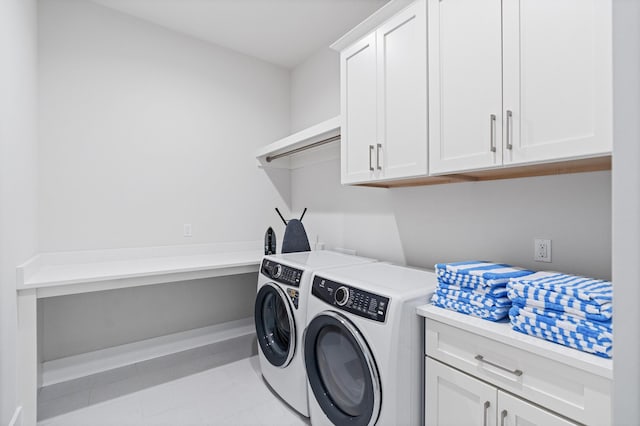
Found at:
<point>363,346</point>
<point>280,317</point>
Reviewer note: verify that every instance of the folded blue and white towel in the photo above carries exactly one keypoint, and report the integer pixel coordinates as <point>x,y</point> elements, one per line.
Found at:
<point>476,273</point>
<point>562,318</point>
<point>524,295</point>
<point>488,313</point>
<point>595,329</point>
<point>570,339</point>
<point>473,298</point>
<point>590,290</point>
<point>495,292</point>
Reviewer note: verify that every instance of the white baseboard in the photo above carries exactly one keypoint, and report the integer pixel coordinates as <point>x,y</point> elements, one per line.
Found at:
<point>16,420</point>
<point>76,366</point>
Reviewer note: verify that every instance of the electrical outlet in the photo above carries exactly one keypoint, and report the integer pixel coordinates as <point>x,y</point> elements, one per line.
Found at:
<point>187,230</point>
<point>542,250</point>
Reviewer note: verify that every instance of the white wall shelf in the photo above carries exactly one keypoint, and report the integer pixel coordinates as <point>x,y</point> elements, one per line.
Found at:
<point>57,274</point>
<point>327,130</point>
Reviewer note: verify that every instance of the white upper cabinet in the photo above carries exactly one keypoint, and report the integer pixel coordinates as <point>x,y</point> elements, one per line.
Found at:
<point>557,79</point>
<point>384,101</point>
<point>528,78</point>
<point>358,92</point>
<point>465,84</point>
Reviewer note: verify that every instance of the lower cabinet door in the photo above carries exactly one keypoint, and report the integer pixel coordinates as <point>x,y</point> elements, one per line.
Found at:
<point>513,411</point>
<point>453,398</point>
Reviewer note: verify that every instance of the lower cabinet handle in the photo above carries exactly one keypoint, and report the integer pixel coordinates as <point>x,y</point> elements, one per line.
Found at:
<point>487,404</point>
<point>514,372</point>
<point>370,162</point>
<point>378,148</point>
<point>503,415</point>
<point>493,132</point>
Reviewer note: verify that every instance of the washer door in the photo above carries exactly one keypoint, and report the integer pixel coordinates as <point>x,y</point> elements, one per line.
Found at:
<point>342,371</point>
<point>275,325</point>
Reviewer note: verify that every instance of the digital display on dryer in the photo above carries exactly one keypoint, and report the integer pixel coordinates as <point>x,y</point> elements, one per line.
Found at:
<point>353,300</point>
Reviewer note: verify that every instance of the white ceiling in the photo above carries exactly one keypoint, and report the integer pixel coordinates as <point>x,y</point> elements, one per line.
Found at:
<point>283,32</point>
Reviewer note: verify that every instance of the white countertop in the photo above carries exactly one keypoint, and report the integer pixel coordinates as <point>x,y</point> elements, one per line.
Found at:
<point>502,332</point>
<point>53,274</point>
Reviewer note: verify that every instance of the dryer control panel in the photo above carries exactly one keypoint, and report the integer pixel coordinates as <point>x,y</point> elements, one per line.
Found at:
<point>281,273</point>
<point>351,299</point>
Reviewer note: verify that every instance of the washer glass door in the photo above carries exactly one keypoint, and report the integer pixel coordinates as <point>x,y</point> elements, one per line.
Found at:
<point>341,371</point>
<point>275,325</point>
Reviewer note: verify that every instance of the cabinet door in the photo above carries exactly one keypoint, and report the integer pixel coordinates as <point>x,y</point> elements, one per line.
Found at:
<point>513,411</point>
<point>402,91</point>
<point>465,84</point>
<point>358,93</point>
<point>453,398</point>
<point>557,79</point>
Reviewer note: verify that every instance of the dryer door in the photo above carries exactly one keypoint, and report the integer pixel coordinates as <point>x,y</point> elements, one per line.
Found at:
<point>275,325</point>
<point>342,371</point>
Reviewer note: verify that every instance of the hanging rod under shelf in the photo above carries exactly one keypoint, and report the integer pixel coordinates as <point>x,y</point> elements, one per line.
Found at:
<point>303,148</point>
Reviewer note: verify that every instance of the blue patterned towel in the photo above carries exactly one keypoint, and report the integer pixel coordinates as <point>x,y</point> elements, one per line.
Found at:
<point>601,347</point>
<point>597,291</point>
<point>596,329</point>
<point>562,319</point>
<point>524,295</point>
<point>491,314</point>
<point>473,298</point>
<point>478,273</point>
<point>495,292</point>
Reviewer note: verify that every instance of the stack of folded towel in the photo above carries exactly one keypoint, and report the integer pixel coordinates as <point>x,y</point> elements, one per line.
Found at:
<point>567,309</point>
<point>475,288</point>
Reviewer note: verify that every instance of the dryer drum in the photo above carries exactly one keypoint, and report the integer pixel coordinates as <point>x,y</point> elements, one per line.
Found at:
<point>275,325</point>
<point>341,371</point>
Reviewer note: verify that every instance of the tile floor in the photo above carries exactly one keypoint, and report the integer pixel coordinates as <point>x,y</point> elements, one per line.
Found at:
<point>230,394</point>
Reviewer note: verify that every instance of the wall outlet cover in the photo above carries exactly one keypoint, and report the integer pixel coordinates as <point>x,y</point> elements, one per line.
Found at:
<point>541,250</point>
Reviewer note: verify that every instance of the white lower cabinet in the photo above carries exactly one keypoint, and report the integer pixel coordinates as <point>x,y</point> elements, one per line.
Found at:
<point>454,398</point>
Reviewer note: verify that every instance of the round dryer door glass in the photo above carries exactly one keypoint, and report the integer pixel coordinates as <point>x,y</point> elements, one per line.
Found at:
<point>341,371</point>
<point>275,326</point>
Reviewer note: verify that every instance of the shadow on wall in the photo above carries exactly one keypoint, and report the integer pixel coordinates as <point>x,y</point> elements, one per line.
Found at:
<point>498,221</point>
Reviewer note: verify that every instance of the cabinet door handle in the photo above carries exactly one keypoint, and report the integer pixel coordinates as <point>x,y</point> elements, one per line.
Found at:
<point>370,161</point>
<point>503,415</point>
<point>493,132</point>
<point>378,148</point>
<point>514,372</point>
<point>509,129</point>
<point>487,404</point>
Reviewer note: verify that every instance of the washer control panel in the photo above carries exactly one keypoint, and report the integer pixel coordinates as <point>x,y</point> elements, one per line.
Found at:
<point>351,299</point>
<point>281,273</point>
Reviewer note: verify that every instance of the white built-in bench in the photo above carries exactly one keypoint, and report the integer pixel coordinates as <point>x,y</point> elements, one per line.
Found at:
<point>65,273</point>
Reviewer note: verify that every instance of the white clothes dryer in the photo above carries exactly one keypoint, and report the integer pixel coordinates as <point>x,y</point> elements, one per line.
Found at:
<point>280,317</point>
<point>363,346</point>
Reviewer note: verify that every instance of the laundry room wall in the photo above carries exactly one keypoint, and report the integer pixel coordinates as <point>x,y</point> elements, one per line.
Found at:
<point>420,226</point>
<point>143,130</point>
<point>18,176</point>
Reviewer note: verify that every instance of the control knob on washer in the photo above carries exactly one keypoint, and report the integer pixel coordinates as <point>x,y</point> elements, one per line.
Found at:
<point>277,271</point>
<point>342,296</point>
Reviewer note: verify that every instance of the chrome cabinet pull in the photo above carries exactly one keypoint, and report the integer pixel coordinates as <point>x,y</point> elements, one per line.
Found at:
<point>503,415</point>
<point>370,162</point>
<point>514,372</point>
<point>487,404</point>
<point>378,148</point>
<point>493,132</point>
<point>509,129</point>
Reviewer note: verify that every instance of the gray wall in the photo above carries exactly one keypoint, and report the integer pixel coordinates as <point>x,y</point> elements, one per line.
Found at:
<point>143,130</point>
<point>18,175</point>
<point>626,211</point>
<point>494,220</point>
<point>90,321</point>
